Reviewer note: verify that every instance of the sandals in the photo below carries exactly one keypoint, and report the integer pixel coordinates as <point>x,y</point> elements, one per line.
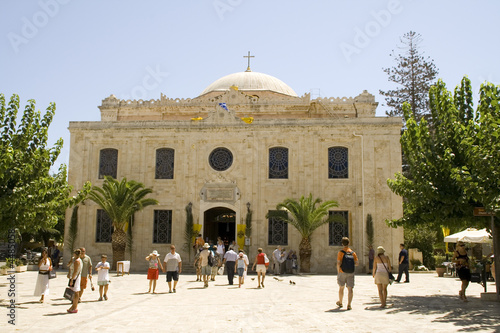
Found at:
<point>349,307</point>
<point>339,304</point>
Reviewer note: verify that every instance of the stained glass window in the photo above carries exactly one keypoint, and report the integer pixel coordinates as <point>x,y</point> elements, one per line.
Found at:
<point>108,162</point>
<point>338,228</point>
<point>278,231</point>
<point>220,159</point>
<point>278,163</point>
<point>104,227</point>
<point>338,162</point>
<point>164,163</point>
<point>162,229</point>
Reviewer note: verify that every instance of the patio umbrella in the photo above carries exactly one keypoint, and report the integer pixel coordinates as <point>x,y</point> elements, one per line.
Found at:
<point>470,235</point>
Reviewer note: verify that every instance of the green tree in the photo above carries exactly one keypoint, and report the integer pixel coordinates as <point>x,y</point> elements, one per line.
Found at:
<point>454,165</point>
<point>120,200</point>
<point>30,198</point>
<point>414,74</point>
<point>305,215</point>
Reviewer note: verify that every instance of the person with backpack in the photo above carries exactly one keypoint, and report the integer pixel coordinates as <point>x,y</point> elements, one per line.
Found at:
<point>347,260</point>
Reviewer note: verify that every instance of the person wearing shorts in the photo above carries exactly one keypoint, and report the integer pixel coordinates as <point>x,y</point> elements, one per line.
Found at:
<point>343,278</point>
<point>173,265</point>
<point>260,261</point>
<point>240,268</point>
<point>206,270</point>
<point>102,269</point>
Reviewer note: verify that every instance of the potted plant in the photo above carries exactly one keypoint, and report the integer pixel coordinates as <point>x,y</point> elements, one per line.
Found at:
<point>440,267</point>
<point>9,266</point>
<point>20,267</point>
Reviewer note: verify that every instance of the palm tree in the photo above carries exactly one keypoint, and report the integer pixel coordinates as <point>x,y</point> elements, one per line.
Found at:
<point>120,200</point>
<point>306,216</point>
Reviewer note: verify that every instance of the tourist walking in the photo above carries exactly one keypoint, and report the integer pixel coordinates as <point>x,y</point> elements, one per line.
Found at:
<point>173,265</point>
<point>381,269</point>
<point>102,269</point>
<point>197,265</point>
<point>229,261</point>
<point>277,260</point>
<point>221,249</point>
<point>404,264</point>
<point>217,262</point>
<point>461,260</point>
<point>154,269</point>
<point>346,262</point>
<point>56,255</point>
<point>260,260</point>
<point>240,268</point>
<point>206,269</point>
<point>86,271</point>
<point>75,270</point>
<point>42,280</point>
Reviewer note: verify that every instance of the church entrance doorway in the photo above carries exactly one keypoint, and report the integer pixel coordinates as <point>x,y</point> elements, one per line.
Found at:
<point>219,222</point>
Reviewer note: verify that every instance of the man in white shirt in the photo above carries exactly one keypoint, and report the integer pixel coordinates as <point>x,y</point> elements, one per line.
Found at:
<point>173,265</point>
<point>277,260</point>
<point>229,261</point>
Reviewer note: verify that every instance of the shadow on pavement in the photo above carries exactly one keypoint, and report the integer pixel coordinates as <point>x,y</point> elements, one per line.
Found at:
<point>466,316</point>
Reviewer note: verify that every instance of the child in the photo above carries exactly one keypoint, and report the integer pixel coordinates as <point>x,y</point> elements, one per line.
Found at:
<point>240,268</point>
<point>102,269</point>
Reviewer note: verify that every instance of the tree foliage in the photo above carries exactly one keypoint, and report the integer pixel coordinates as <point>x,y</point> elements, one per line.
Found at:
<point>30,198</point>
<point>189,232</point>
<point>443,186</point>
<point>414,74</point>
<point>305,215</point>
<point>120,200</point>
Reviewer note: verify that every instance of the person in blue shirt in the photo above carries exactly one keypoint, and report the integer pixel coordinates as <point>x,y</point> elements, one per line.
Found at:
<point>404,264</point>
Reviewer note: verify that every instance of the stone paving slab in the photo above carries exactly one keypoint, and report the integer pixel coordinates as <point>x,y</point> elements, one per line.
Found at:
<point>428,303</point>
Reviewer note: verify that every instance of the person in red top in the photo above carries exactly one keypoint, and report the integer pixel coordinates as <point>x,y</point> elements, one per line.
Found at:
<point>260,261</point>
<point>345,271</point>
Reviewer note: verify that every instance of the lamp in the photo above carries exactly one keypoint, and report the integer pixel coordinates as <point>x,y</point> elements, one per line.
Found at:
<point>248,205</point>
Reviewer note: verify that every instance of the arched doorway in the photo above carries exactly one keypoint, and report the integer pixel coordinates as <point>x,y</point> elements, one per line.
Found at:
<point>219,222</point>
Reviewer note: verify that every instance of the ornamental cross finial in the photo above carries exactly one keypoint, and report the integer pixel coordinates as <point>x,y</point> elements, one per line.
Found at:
<point>248,56</point>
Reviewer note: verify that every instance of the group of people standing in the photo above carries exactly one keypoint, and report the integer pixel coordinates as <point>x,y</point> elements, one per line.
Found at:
<point>284,262</point>
<point>79,272</point>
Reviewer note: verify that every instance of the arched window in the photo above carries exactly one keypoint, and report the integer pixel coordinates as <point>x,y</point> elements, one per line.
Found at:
<point>338,162</point>
<point>108,163</point>
<point>278,163</point>
<point>162,229</point>
<point>164,163</point>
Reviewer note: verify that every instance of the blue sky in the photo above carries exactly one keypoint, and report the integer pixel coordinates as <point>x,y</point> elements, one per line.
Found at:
<point>76,53</point>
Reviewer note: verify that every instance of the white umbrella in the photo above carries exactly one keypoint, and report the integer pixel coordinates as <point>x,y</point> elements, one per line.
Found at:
<point>470,235</point>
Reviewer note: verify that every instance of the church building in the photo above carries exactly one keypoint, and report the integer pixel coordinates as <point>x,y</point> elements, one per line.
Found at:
<point>245,143</point>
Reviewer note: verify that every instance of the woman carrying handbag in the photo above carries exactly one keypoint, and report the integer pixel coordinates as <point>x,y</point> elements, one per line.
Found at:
<point>382,274</point>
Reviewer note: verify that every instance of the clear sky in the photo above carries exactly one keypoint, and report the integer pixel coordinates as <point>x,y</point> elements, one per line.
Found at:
<point>76,53</point>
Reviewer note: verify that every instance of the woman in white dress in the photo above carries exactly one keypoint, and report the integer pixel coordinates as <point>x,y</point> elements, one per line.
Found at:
<point>42,281</point>
<point>75,270</point>
<point>381,269</point>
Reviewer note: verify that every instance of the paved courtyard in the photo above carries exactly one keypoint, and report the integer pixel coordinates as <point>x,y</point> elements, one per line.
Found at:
<point>427,304</point>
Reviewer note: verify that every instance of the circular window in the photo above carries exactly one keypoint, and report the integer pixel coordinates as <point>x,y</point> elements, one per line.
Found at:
<point>220,159</point>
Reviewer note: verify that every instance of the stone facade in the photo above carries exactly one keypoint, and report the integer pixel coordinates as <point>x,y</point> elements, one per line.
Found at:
<point>252,124</point>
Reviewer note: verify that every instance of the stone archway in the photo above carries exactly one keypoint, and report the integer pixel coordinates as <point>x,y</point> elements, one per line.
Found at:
<point>219,222</point>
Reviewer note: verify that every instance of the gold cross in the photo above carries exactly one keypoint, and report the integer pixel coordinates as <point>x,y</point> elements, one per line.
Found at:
<point>248,56</point>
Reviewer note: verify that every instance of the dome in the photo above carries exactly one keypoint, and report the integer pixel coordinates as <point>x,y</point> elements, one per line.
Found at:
<point>250,81</point>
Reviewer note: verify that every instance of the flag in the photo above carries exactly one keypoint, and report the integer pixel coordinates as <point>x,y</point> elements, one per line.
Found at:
<point>223,105</point>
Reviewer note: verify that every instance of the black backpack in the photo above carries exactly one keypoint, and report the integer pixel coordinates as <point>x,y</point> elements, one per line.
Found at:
<point>347,262</point>
<point>211,259</point>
